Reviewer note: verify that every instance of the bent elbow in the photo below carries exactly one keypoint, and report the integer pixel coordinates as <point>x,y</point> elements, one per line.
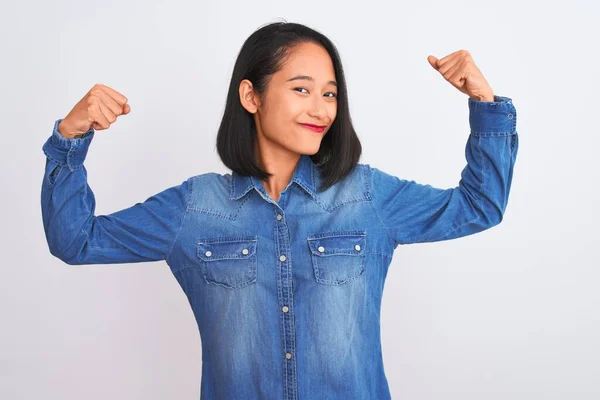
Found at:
<point>493,218</point>
<point>60,252</point>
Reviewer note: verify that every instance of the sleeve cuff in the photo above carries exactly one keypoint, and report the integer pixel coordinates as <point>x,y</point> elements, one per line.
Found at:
<point>70,152</point>
<point>492,118</point>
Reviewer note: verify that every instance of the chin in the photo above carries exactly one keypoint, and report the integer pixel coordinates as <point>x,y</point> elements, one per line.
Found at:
<point>304,147</point>
<point>310,150</point>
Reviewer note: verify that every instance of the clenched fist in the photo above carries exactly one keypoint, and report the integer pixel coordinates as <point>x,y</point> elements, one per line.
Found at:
<point>98,109</point>
<point>460,70</point>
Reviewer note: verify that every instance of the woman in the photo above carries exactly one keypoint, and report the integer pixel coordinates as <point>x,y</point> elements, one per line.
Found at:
<point>283,261</point>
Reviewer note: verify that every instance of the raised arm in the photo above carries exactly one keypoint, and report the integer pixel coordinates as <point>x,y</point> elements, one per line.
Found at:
<point>412,212</point>
<point>143,232</point>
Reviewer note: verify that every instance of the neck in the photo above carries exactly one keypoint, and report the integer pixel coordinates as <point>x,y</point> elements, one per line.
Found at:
<point>282,165</point>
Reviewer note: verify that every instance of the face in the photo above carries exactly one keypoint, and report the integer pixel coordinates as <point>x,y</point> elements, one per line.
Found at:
<point>302,92</point>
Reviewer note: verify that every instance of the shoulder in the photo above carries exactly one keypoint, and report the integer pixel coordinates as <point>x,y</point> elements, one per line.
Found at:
<point>356,182</point>
<point>210,177</point>
<point>209,187</point>
<point>376,180</point>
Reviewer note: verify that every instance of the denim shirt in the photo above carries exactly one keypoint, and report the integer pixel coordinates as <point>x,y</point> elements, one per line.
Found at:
<point>286,293</point>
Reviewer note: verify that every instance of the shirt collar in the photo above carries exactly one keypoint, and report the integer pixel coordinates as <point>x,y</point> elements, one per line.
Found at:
<point>306,175</point>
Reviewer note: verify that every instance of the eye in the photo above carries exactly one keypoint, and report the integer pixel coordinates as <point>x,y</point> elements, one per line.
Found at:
<point>300,88</point>
<point>331,94</point>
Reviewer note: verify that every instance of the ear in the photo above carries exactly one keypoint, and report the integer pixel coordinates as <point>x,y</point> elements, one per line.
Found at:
<point>248,97</point>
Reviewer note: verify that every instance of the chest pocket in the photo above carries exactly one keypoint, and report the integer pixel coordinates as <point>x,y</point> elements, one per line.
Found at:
<point>228,261</point>
<point>337,256</point>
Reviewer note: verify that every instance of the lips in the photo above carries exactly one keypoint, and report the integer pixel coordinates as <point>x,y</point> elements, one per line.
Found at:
<point>315,128</point>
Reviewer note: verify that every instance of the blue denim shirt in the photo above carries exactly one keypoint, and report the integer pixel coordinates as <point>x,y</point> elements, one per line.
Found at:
<point>286,293</point>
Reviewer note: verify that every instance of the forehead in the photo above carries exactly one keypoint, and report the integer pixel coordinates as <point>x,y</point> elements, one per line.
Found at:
<point>308,59</point>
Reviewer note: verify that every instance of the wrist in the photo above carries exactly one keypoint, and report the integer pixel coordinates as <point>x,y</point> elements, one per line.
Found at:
<point>488,95</point>
<point>489,98</point>
<point>65,131</point>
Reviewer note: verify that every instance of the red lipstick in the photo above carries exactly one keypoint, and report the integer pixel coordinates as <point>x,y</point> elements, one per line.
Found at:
<point>314,128</point>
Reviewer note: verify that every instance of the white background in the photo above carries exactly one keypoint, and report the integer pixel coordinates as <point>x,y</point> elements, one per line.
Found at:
<point>510,313</point>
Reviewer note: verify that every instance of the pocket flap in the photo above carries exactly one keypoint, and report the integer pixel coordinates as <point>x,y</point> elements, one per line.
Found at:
<point>227,248</point>
<point>334,243</point>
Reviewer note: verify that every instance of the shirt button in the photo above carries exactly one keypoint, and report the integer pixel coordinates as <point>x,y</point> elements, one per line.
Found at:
<point>285,309</point>
<point>208,254</point>
<point>282,258</point>
<point>245,251</point>
<point>288,355</point>
<point>279,217</point>
<point>510,116</point>
<point>321,249</point>
<point>357,247</point>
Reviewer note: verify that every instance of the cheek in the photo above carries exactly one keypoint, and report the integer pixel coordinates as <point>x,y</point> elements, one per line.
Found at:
<point>333,111</point>
<point>292,107</point>
<point>283,110</point>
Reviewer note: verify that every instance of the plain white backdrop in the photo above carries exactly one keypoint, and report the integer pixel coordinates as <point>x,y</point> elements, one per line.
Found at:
<point>511,312</point>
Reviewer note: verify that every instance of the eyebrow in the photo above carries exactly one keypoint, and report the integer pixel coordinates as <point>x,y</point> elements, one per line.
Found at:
<point>308,78</point>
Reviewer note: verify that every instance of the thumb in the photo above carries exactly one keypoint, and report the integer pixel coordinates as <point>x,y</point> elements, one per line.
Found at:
<point>433,61</point>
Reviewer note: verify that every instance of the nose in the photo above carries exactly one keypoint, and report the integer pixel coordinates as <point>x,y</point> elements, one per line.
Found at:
<point>318,108</point>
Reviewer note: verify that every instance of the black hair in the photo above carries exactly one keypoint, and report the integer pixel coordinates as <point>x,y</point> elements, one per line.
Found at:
<point>263,54</point>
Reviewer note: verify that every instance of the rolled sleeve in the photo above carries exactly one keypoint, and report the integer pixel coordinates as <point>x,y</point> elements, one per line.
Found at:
<point>492,118</point>
<point>69,152</point>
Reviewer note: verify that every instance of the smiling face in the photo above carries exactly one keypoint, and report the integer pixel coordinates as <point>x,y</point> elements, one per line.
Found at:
<point>303,91</point>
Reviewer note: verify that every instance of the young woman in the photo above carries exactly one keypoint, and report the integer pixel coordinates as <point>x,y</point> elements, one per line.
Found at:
<point>284,260</point>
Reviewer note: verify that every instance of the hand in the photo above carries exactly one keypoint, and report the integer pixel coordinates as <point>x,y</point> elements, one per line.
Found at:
<point>460,70</point>
<point>98,109</point>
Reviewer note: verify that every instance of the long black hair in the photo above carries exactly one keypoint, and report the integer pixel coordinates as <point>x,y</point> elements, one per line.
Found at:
<point>263,54</point>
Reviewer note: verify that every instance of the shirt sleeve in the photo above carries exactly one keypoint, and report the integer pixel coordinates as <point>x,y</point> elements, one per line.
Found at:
<point>413,212</point>
<point>143,232</point>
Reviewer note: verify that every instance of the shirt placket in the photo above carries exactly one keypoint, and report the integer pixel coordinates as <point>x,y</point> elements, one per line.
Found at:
<point>285,297</point>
